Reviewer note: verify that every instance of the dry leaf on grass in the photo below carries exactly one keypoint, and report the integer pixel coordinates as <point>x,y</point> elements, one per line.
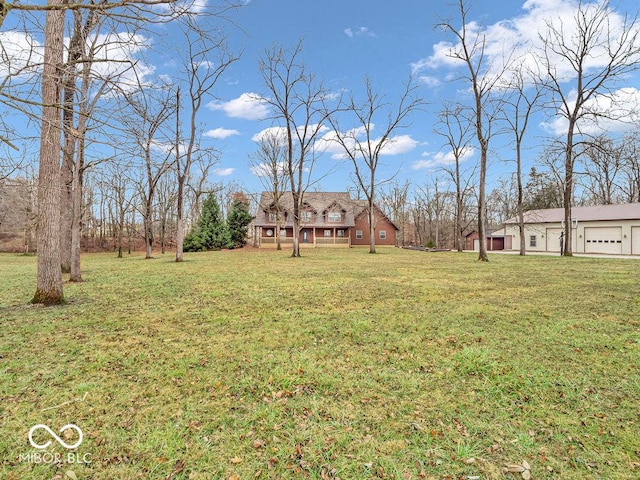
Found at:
<point>524,469</point>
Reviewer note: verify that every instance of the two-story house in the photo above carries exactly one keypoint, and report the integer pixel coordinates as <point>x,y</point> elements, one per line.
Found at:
<point>330,219</point>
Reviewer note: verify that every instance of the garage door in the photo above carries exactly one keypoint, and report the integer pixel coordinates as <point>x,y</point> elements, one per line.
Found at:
<point>635,240</point>
<point>603,240</point>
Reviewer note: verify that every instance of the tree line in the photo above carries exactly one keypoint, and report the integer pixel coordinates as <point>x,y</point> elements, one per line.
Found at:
<point>104,126</point>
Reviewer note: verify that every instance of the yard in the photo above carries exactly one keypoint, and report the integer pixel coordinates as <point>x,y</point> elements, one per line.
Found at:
<point>250,364</point>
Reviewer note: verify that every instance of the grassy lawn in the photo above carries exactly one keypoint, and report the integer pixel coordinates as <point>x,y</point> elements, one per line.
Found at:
<point>400,365</point>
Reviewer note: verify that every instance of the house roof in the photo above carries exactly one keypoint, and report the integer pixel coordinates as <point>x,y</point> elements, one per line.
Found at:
<point>627,211</point>
<point>361,206</point>
<point>319,202</point>
<point>488,231</point>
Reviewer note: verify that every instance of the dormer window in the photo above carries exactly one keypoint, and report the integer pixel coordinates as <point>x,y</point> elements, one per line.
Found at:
<point>305,216</point>
<point>334,217</point>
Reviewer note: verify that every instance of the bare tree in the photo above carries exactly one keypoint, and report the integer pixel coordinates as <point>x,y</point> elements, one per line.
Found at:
<point>298,103</point>
<point>268,164</point>
<point>582,60</point>
<point>121,194</point>
<point>457,131</point>
<point>145,117</point>
<point>435,201</point>
<point>603,162</point>
<point>394,204</point>
<point>49,277</point>
<point>198,186</point>
<point>631,167</point>
<point>502,201</point>
<point>364,143</point>
<point>519,107</point>
<point>49,290</point>
<point>201,74</point>
<point>483,79</point>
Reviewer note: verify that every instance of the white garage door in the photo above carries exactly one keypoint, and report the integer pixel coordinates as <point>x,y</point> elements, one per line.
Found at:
<point>635,240</point>
<point>476,245</point>
<point>553,239</point>
<point>603,240</point>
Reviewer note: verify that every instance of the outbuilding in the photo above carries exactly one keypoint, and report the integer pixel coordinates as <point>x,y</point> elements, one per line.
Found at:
<point>603,229</point>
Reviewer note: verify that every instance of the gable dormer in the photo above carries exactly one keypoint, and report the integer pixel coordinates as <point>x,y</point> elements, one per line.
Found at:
<point>307,213</point>
<point>273,214</point>
<point>334,213</point>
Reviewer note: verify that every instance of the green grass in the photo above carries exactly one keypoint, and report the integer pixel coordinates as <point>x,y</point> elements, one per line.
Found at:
<point>340,364</point>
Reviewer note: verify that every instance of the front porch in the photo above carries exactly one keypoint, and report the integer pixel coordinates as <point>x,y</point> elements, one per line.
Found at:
<point>309,237</point>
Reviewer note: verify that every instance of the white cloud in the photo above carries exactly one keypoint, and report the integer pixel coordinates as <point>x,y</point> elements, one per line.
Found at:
<point>20,53</point>
<point>117,58</point>
<point>354,139</point>
<point>614,113</point>
<point>519,39</point>
<point>398,145</point>
<point>359,32</point>
<point>277,132</point>
<point>265,170</point>
<point>224,172</point>
<point>248,106</point>
<point>280,133</point>
<point>221,133</point>
<point>441,159</point>
<point>429,81</point>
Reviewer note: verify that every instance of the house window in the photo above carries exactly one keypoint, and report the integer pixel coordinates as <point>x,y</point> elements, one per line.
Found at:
<point>327,233</point>
<point>283,232</point>
<point>359,234</point>
<point>383,234</point>
<point>272,216</point>
<point>305,216</point>
<point>533,241</point>
<point>334,217</point>
<point>340,233</point>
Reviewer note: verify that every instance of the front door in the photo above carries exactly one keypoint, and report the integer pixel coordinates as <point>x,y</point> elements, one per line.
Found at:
<point>305,236</point>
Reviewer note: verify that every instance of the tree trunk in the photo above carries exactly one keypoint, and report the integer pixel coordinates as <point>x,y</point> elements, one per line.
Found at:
<point>148,231</point>
<point>568,191</point>
<point>459,227</point>
<point>372,227</point>
<point>120,231</point>
<point>76,222</point>
<point>66,205</point>
<point>523,246</point>
<point>482,255</point>
<point>296,225</point>
<point>49,276</point>
<point>179,220</point>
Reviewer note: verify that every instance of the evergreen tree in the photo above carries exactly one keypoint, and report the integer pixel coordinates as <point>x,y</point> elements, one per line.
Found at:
<point>238,220</point>
<point>210,233</point>
<point>542,191</point>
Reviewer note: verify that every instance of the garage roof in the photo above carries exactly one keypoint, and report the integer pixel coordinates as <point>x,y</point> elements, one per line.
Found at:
<point>627,211</point>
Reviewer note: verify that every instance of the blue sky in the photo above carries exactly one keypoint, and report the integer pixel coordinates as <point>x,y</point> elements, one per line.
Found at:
<point>346,40</point>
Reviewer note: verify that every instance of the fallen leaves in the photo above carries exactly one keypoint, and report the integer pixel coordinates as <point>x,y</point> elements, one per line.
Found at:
<point>524,469</point>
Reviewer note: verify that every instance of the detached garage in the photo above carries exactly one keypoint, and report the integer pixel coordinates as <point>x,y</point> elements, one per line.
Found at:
<point>603,240</point>
<point>604,229</point>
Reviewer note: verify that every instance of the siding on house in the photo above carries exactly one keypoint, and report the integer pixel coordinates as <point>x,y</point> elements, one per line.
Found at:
<point>382,224</point>
<point>327,219</point>
<point>606,229</point>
